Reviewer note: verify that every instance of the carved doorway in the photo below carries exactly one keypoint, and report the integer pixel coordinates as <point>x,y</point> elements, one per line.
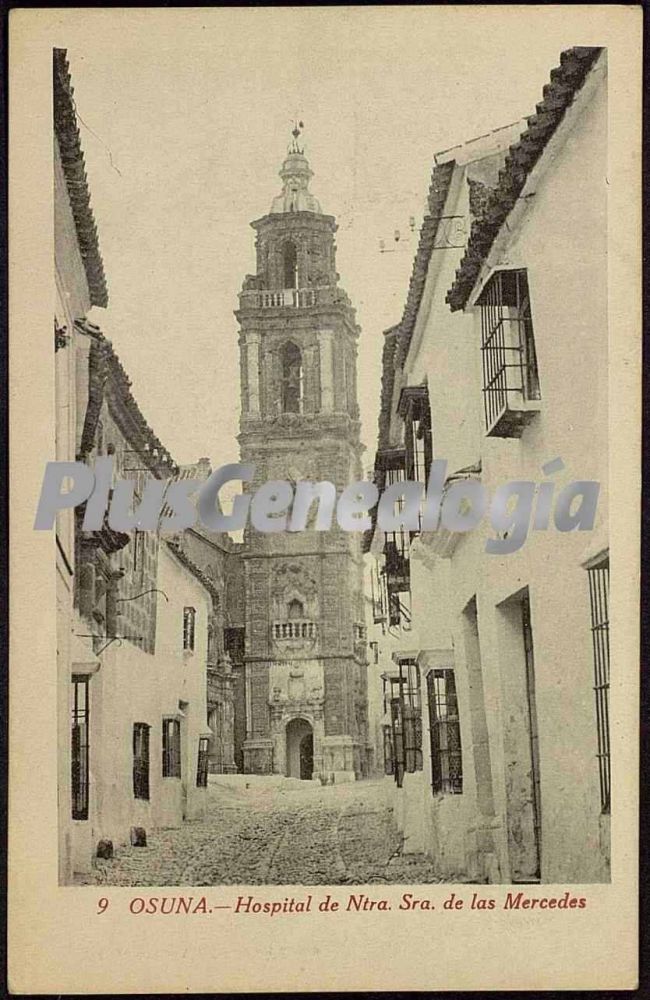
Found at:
<point>300,749</point>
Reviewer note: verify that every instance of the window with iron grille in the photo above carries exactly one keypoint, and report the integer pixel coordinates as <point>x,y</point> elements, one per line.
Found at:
<point>389,758</point>
<point>171,748</point>
<point>80,769</point>
<point>141,760</point>
<point>397,733</point>
<point>444,732</point>
<point>509,359</point>
<point>409,680</point>
<point>390,468</point>
<point>397,544</point>
<point>189,626</point>
<point>202,764</point>
<point>599,598</point>
<point>418,440</point>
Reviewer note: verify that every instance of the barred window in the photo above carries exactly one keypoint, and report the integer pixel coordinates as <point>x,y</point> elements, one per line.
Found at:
<point>397,544</point>
<point>189,626</point>
<point>202,764</point>
<point>379,595</point>
<point>415,411</point>
<point>510,375</point>
<point>391,582</point>
<point>397,732</point>
<point>446,754</point>
<point>141,760</point>
<point>599,599</point>
<point>389,757</point>
<point>409,678</point>
<point>80,749</point>
<point>171,748</point>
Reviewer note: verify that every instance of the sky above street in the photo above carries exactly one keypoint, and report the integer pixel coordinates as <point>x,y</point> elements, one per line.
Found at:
<point>185,123</point>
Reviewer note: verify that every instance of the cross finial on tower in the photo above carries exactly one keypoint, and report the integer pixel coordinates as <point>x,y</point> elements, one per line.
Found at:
<point>298,126</point>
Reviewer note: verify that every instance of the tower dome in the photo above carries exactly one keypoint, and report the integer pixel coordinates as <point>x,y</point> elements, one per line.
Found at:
<point>296,174</point>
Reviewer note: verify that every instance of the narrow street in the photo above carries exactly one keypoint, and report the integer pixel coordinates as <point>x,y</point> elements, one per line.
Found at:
<point>274,832</point>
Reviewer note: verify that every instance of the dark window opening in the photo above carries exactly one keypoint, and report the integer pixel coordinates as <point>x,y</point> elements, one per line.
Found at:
<point>418,438</point>
<point>80,756</point>
<point>397,544</point>
<point>403,738</point>
<point>292,379</point>
<point>202,763</point>
<point>397,732</point>
<point>295,609</point>
<point>171,748</point>
<point>599,599</point>
<point>409,681</point>
<point>444,733</point>
<point>389,762</point>
<point>141,760</point>
<point>189,628</point>
<point>290,265</point>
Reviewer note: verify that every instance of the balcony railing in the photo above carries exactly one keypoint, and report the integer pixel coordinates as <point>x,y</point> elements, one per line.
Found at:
<point>297,628</point>
<point>291,298</point>
<point>397,564</point>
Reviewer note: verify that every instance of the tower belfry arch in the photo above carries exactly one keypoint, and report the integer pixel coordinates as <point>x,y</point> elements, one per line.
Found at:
<point>300,420</point>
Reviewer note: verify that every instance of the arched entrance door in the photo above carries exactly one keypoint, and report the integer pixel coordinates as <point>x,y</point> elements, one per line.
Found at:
<point>300,749</point>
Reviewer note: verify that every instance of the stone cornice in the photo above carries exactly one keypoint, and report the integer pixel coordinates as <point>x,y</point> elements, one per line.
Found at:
<point>293,221</point>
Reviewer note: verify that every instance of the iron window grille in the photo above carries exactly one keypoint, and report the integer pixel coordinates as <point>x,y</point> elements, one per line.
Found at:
<point>397,732</point>
<point>599,600</point>
<point>378,594</point>
<point>171,748</point>
<point>409,684</point>
<point>392,577</point>
<point>202,763</point>
<point>396,545</point>
<point>141,760</point>
<point>389,761</point>
<point>509,359</point>
<point>80,755</point>
<point>444,732</point>
<point>189,628</point>
<point>391,608</point>
<point>415,411</point>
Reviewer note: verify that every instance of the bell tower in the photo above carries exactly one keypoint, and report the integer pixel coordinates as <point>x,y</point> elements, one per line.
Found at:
<point>305,658</point>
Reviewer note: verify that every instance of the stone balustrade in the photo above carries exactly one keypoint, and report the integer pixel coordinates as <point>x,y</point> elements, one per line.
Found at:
<point>296,628</point>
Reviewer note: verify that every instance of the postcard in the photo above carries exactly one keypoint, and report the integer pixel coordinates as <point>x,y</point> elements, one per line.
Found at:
<point>325,422</point>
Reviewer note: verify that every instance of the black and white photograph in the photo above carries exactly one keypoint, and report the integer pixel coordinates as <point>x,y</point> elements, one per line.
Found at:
<point>328,499</point>
<point>325,706</point>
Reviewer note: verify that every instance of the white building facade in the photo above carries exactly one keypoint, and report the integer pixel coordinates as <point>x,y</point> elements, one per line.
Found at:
<point>133,611</point>
<point>497,721</point>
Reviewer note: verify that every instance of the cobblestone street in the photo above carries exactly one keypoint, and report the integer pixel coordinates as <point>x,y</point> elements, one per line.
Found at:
<point>283,832</point>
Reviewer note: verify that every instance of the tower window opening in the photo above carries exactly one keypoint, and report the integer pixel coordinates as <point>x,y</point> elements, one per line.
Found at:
<point>291,379</point>
<point>290,265</point>
<point>296,609</point>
